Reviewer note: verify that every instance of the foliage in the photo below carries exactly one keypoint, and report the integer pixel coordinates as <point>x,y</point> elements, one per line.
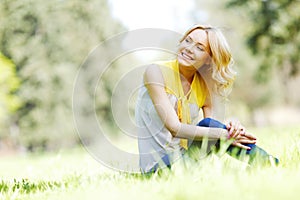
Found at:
<point>274,34</point>
<point>9,83</point>
<point>48,40</point>
<point>256,87</point>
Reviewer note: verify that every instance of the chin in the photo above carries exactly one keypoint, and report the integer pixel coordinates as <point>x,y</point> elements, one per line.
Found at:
<point>184,62</point>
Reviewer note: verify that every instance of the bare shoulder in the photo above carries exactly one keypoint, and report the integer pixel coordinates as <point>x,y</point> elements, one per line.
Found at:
<point>153,74</point>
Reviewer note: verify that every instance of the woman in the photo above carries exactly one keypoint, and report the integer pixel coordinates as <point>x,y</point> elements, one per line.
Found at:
<point>173,94</point>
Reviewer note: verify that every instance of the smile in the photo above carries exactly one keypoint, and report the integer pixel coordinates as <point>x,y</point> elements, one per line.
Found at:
<point>186,56</point>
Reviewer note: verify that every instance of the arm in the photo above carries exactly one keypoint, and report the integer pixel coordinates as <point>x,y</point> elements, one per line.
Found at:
<point>207,107</point>
<point>154,83</point>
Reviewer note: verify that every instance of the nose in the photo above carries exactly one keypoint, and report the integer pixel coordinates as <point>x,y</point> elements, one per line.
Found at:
<point>189,48</point>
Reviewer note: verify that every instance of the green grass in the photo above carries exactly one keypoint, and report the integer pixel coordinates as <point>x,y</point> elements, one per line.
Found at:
<point>74,174</point>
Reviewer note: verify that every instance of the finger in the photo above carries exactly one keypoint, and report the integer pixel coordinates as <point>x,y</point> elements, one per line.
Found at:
<point>246,141</point>
<point>241,146</point>
<point>231,126</point>
<point>228,126</point>
<point>231,129</point>
<point>249,135</point>
<point>235,134</point>
<point>244,138</point>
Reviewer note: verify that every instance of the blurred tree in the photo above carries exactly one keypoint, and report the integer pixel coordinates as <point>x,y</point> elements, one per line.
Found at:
<point>274,35</point>
<point>9,101</point>
<point>248,95</point>
<point>48,40</point>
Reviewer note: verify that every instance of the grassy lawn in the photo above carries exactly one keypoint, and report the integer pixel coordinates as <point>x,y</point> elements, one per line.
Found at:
<point>74,174</point>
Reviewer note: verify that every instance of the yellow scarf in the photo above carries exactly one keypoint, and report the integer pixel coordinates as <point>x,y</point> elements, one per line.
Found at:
<point>196,95</point>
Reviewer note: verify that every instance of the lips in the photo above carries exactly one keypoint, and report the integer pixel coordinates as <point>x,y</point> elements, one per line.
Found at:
<point>186,56</point>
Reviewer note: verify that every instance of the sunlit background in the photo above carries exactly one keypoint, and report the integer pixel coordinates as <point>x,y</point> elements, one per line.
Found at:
<point>166,14</point>
<point>44,44</point>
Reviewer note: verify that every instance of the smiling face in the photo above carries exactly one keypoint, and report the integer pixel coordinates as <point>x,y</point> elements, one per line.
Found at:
<point>193,49</point>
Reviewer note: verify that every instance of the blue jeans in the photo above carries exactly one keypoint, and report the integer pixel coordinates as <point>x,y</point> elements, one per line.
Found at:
<point>255,153</point>
<point>166,161</point>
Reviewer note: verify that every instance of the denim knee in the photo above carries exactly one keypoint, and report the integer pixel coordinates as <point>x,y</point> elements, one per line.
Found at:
<point>209,122</point>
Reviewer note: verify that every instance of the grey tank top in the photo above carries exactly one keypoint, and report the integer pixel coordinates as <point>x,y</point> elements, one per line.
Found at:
<point>154,139</point>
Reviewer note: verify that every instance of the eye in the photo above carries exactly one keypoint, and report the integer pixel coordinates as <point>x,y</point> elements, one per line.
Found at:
<point>188,40</point>
<point>200,48</point>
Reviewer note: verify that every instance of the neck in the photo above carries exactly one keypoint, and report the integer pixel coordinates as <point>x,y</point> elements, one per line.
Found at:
<point>187,72</point>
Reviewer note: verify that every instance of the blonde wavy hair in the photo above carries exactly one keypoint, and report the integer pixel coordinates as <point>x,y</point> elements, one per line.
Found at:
<point>222,72</point>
